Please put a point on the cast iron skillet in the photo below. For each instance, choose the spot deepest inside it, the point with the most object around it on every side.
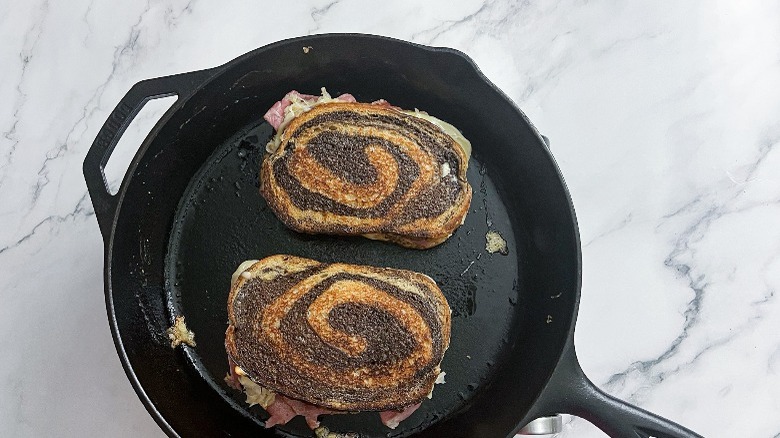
(188, 212)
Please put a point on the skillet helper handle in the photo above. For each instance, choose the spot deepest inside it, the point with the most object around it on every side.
(103, 201)
(622, 420)
(570, 391)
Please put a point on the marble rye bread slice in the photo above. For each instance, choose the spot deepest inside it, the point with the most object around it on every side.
(370, 170)
(337, 336)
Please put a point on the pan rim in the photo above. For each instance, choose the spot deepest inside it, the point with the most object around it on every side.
(217, 71)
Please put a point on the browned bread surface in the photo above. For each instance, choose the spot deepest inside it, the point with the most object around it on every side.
(360, 169)
(339, 336)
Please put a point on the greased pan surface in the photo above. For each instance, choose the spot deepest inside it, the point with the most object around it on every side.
(189, 211)
(481, 288)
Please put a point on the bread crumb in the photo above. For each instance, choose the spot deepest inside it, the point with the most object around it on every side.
(495, 243)
(307, 48)
(179, 334)
(323, 432)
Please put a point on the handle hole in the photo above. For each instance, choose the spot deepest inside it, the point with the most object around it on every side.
(126, 148)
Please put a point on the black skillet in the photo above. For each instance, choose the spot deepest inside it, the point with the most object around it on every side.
(188, 212)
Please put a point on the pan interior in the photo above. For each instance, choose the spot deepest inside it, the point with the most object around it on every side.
(222, 220)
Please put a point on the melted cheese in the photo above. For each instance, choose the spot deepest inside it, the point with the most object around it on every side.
(255, 394)
(240, 270)
(495, 243)
(439, 381)
(450, 130)
(180, 334)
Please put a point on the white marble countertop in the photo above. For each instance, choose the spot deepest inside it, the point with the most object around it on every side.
(664, 118)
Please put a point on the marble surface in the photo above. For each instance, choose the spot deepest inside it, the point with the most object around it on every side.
(664, 118)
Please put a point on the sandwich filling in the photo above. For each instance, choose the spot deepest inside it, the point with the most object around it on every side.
(294, 104)
(283, 409)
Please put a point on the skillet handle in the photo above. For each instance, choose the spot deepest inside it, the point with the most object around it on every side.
(570, 391)
(107, 138)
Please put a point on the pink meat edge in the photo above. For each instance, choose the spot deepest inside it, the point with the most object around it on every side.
(392, 419)
(284, 409)
(275, 115)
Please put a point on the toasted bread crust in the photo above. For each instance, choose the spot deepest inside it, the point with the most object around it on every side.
(339, 336)
(360, 169)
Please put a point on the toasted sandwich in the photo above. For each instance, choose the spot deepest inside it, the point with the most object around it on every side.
(309, 338)
(336, 166)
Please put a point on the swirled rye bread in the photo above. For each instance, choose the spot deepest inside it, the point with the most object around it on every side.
(370, 169)
(309, 338)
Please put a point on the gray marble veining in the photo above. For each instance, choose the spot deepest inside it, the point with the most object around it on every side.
(663, 117)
